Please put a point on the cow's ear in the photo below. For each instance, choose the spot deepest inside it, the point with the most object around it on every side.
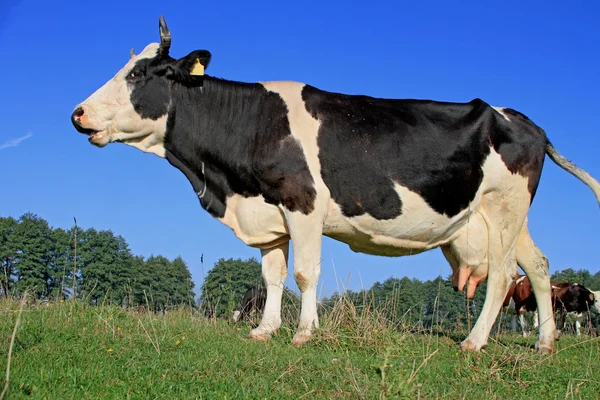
(188, 67)
(194, 63)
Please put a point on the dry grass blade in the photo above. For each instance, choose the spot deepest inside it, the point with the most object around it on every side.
(289, 370)
(306, 394)
(10, 347)
(414, 373)
(149, 337)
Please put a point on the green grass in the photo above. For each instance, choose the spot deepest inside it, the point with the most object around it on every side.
(74, 351)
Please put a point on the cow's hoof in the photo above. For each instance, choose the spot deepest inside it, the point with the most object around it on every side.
(260, 336)
(544, 349)
(469, 345)
(300, 339)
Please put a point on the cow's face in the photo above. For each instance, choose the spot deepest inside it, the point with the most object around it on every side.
(596, 299)
(132, 107)
(236, 316)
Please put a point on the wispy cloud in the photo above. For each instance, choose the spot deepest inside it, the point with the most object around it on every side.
(15, 142)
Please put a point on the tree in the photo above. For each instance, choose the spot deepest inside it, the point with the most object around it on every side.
(105, 264)
(33, 240)
(569, 275)
(60, 256)
(180, 280)
(227, 282)
(8, 254)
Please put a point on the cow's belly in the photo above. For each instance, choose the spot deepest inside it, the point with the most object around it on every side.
(254, 222)
(417, 229)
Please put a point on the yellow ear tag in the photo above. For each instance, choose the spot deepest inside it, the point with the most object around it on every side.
(198, 68)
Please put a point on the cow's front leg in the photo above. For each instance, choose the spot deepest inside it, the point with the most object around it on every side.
(306, 234)
(274, 272)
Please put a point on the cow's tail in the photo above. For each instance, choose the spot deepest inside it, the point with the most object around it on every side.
(573, 169)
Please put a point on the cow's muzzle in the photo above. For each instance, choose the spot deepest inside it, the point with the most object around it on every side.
(76, 120)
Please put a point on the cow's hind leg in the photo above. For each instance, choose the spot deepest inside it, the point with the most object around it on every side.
(535, 265)
(274, 272)
(503, 217)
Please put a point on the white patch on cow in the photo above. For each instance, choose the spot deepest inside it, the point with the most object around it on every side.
(303, 126)
(305, 230)
(500, 110)
(255, 222)
(109, 112)
(520, 280)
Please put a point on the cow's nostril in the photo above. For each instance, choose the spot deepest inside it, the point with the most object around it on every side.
(78, 112)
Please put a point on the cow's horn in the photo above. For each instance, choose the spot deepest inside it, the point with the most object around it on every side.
(165, 37)
(132, 53)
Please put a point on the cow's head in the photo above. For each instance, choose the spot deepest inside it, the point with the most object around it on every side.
(132, 107)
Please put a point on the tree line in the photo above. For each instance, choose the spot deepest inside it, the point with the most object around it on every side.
(411, 303)
(94, 265)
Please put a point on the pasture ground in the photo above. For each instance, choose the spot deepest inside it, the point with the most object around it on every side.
(75, 351)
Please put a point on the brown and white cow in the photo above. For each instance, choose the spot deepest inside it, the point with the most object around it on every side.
(285, 161)
(569, 299)
(519, 300)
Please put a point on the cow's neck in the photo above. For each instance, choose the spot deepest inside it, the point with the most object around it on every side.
(214, 133)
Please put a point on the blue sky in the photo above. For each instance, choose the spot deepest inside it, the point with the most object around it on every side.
(540, 58)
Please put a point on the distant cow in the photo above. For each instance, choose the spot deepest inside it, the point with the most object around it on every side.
(573, 300)
(520, 299)
(568, 298)
(281, 161)
(254, 300)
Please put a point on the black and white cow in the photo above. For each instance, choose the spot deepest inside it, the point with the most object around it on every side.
(569, 299)
(572, 301)
(285, 161)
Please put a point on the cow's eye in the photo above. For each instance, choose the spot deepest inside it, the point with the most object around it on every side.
(135, 74)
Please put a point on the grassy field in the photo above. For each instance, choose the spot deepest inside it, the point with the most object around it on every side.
(73, 351)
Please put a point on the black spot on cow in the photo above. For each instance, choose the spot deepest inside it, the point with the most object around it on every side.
(435, 149)
(226, 137)
(367, 144)
(150, 94)
(236, 138)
